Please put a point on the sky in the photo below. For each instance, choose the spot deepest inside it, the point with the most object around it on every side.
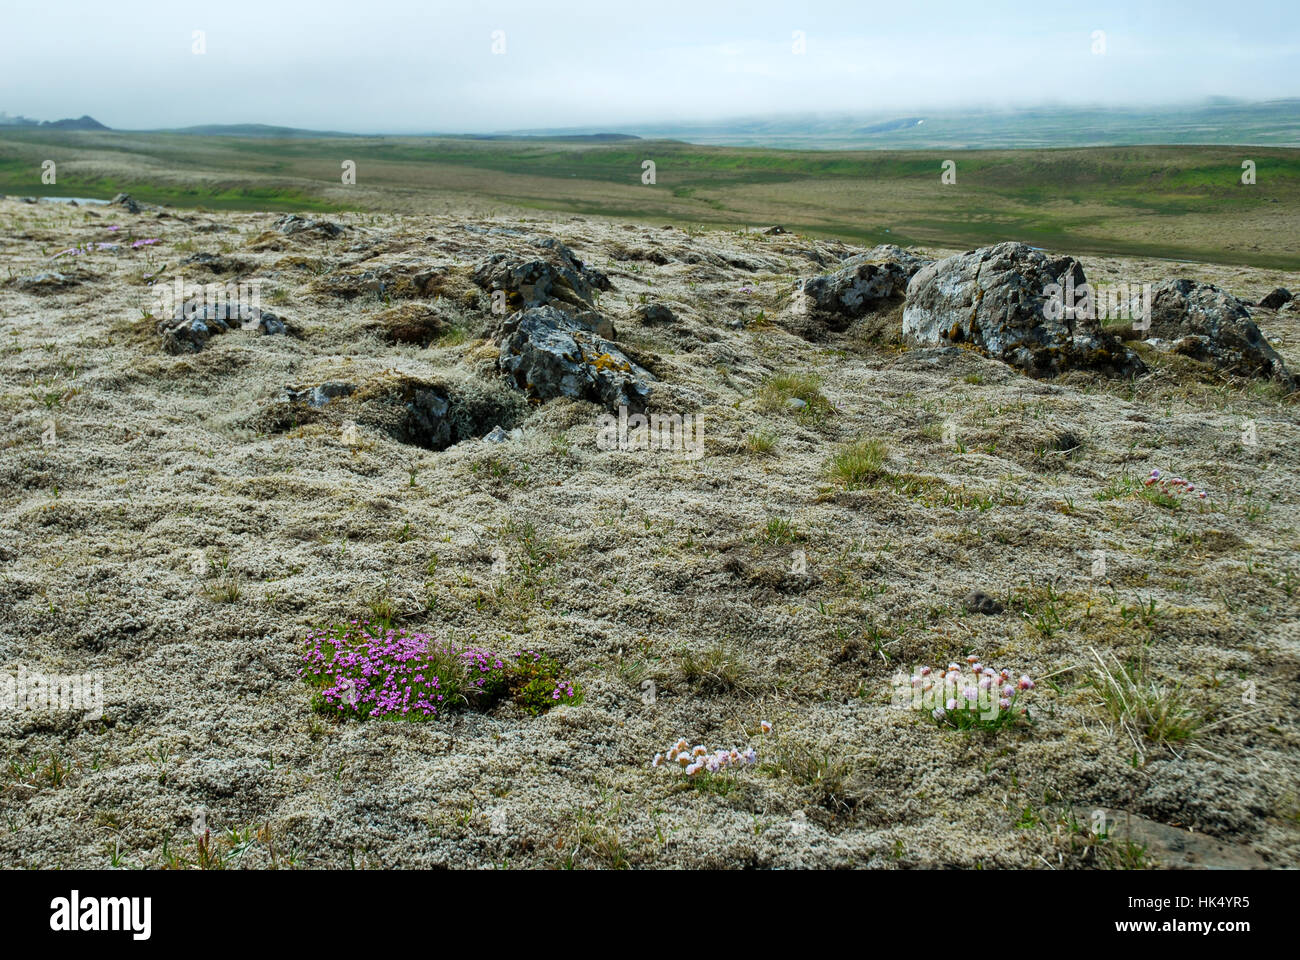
(404, 66)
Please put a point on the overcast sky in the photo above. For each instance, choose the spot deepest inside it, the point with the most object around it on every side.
(410, 66)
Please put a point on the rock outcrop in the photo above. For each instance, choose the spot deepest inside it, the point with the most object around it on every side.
(548, 353)
(861, 284)
(999, 300)
(555, 277)
(1208, 324)
(291, 224)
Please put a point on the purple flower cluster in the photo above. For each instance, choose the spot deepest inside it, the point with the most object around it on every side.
(697, 758)
(88, 248)
(1173, 485)
(374, 672)
(370, 671)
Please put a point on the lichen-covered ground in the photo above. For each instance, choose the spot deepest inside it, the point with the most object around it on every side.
(182, 526)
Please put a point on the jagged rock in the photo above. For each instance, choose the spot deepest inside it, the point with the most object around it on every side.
(1208, 324)
(189, 334)
(861, 284)
(125, 200)
(292, 223)
(776, 230)
(997, 299)
(1276, 299)
(558, 277)
(320, 395)
(548, 353)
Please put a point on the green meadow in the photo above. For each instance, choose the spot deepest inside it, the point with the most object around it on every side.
(1177, 202)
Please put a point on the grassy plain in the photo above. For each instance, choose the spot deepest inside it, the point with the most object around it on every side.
(1173, 202)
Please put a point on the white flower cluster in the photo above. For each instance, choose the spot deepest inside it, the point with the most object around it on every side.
(697, 758)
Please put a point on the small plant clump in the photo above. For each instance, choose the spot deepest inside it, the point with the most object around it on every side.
(376, 672)
(986, 698)
(1172, 487)
(697, 758)
(535, 684)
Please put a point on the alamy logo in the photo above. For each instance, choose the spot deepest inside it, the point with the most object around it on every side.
(40, 692)
(1106, 301)
(211, 301)
(72, 914)
(666, 433)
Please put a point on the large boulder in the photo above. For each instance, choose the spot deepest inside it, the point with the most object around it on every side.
(1276, 298)
(555, 277)
(861, 284)
(1208, 324)
(549, 353)
(1005, 301)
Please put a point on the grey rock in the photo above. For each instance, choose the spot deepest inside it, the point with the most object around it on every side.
(497, 435)
(320, 395)
(1208, 324)
(42, 282)
(655, 315)
(429, 422)
(190, 332)
(977, 601)
(996, 299)
(547, 353)
(1276, 299)
(860, 285)
(795, 404)
(292, 223)
(126, 201)
(557, 277)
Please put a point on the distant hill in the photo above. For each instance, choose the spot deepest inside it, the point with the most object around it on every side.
(81, 123)
(1213, 121)
(251, 130)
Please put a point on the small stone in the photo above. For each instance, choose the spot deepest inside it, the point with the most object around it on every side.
(977, 601)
